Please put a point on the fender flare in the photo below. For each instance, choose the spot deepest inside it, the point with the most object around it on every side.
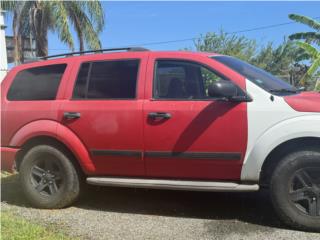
(290, 129)
(59, 132)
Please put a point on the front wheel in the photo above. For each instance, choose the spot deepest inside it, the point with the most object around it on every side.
(295, 190)
(48, 177)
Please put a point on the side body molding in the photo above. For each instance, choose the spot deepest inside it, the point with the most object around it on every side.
(61, 133)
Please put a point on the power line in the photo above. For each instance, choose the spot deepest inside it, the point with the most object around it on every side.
(228, 33)
(197, 38)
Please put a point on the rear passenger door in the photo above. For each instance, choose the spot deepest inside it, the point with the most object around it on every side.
(104, 108)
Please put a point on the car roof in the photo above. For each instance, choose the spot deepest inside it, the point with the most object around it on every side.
(65, 58)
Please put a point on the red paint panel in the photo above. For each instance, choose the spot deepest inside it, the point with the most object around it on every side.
(108, 125)
(214, 127)
(304, 102)
(8, 156)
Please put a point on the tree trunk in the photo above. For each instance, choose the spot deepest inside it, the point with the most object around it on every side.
(17, 40)
(79, 33)
(317, 88)
(42, 43)
(81, 43)
(40, 31)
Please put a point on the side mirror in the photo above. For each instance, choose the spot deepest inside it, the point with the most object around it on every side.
(227, 90)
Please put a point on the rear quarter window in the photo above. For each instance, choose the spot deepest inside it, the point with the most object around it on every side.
(110, 79)
(39, 83)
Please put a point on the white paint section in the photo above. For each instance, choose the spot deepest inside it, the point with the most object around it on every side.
(271, 123)
(3, 50)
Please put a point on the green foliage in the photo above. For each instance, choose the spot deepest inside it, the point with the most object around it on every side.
(312, 52)
(282, 60)
(15, 228)
(37, 18)
(226, 44)
(308, 36)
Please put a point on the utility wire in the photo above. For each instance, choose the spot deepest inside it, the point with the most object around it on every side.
(228, 33)
(198, 38)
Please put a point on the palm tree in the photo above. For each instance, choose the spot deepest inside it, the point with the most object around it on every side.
(37, 18)
(309, 38)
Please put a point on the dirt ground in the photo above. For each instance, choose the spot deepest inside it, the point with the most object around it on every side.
(124, 213)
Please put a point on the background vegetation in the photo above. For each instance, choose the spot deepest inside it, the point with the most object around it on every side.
(296, 60)
(35, 19)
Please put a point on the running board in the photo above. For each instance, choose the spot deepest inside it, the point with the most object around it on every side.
(173, 184)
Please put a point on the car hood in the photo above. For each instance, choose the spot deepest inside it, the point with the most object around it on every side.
(304, 102)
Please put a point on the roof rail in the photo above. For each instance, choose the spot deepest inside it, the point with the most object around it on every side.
(129, 49)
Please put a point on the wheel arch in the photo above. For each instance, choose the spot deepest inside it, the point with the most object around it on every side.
(273, 158)
(293, 131)
(52, 133)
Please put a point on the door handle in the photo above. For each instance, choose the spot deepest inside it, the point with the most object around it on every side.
(71, 115)
(157, 115)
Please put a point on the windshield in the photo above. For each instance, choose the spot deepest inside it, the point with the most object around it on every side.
(258, 76)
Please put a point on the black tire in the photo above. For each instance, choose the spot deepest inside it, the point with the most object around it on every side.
(48, 177)
(295, 190)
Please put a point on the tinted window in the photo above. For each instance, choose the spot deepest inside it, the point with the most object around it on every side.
(80, 87)
(258, 76)
(40, 83)
(182, 80)
(107, 80)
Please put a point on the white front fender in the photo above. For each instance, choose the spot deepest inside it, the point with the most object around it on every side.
(271, 121)
(297, 127)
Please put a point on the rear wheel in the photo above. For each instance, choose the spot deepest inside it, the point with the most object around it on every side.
(49, 178)
(295, 190)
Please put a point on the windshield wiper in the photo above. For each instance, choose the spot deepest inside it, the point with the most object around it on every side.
(283, 90)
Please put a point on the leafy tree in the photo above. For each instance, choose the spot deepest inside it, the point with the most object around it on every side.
(37, 18)
(226, 44)
(309, 38)
(283, 60)
(315, 58)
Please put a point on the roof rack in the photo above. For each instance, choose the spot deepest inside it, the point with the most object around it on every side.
(129, 49)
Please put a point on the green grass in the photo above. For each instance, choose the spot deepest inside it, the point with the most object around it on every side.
(17, 228)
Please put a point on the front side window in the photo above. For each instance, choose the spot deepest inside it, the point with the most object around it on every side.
(39, 83)
(258, 76)
(175, 79)
(107, 80)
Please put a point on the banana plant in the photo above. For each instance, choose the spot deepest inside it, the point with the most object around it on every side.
(315, 58)
(309, 38)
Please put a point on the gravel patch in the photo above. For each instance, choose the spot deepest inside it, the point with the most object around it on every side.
(123, 213)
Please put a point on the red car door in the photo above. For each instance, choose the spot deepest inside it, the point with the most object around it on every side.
(188, 135)
(104, 108)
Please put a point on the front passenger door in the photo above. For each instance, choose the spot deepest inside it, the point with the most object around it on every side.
(189, 135)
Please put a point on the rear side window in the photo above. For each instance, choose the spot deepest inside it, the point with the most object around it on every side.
(40, 83)
(107, 80)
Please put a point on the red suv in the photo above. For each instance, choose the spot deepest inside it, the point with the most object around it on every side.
(172, 120)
